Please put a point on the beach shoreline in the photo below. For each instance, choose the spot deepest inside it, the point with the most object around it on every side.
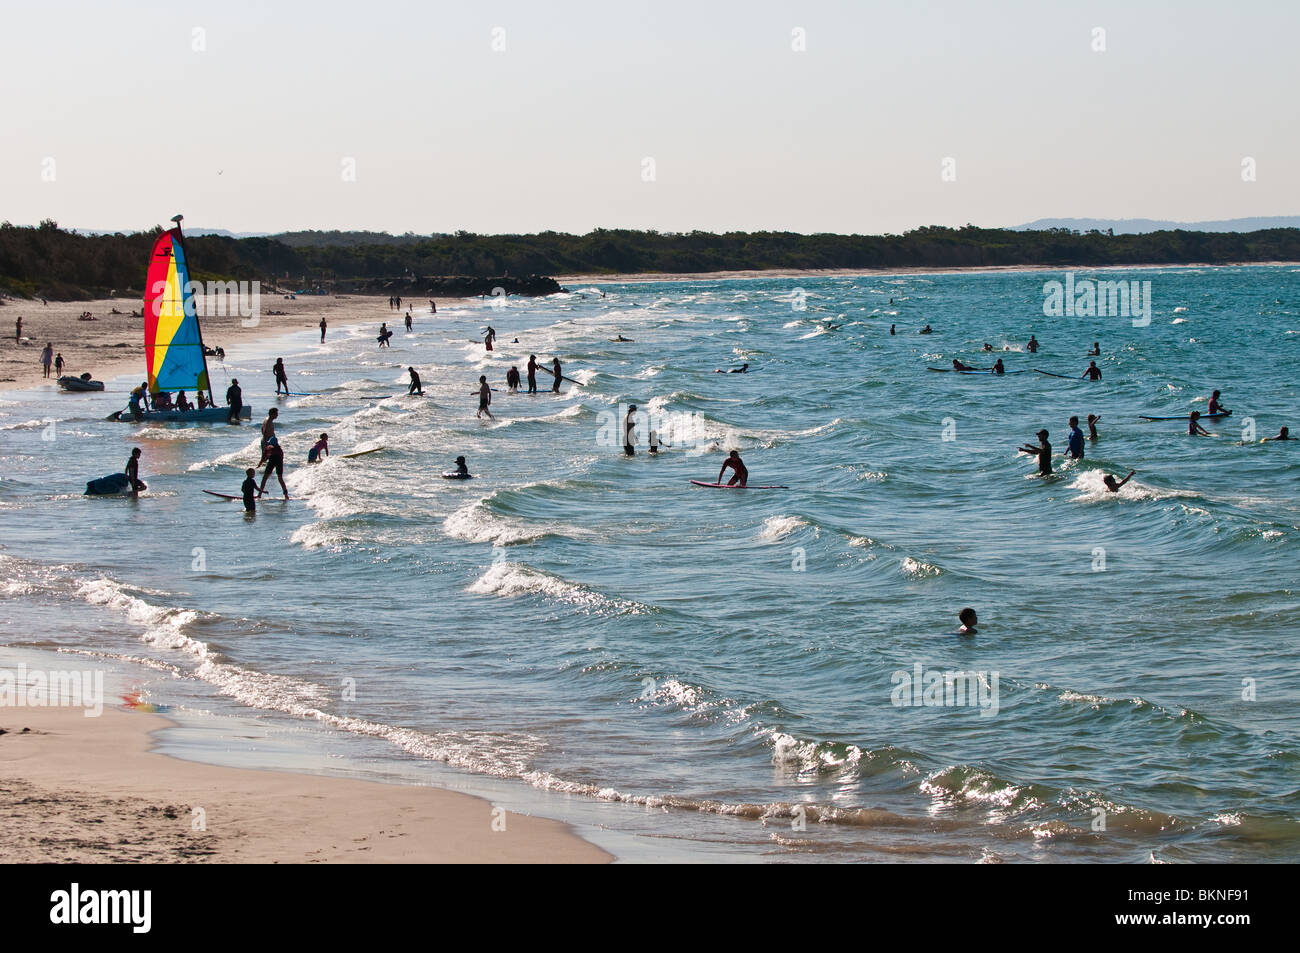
(96, 790)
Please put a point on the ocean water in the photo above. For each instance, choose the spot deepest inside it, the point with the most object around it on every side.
(721, 671)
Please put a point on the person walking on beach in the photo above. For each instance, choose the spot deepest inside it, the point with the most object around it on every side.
(274, 458)
(133, 472)
(235, 398)
(58, 365)
(555, 365)
(484, 398)
(415, 387)
(268, 432)
(249, 489)
(629, 431)
(1093, 373)
(281, 377)
(47, 358)
(323, 326)
(18, 330)
(1043, 452)
(740, 472)
(512, 379)
(1074, 447)
(532, 373)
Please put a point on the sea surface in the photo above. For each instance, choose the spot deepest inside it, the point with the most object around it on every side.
(694, 673)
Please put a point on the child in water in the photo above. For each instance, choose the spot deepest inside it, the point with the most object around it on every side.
(968, 619)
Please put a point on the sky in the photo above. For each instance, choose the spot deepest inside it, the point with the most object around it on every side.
(809, 116)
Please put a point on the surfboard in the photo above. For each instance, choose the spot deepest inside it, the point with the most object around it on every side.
(224, 496)
(374, 396)
(1188, 414)
(730, 486)
(360, 453)
(1068, 377)
(458, 476)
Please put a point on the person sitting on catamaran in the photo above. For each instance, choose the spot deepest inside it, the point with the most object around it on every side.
(182, 402)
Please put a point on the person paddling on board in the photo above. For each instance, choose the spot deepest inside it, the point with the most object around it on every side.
(1043, 452)
(629, 431)
(1074, 447)
(999, 367)
(532, 373)
(1032, 346)
(133, 472)
(1216, 407)
(926, 330)
(1092, 426)
(743, 369)
(320, 448)
(281, 376)
(415, 387)
(555, 369)
(235, 398)
(274, 458)
(1283, 434)
(1113, 485)
(1093, 373)
(741, 473)
(484, 397)
(968, 618)
(1194, 428)
(959, 366)
(462, 468)
(249, 489)
(512, 379)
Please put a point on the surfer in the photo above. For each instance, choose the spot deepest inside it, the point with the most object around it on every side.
(1283, 434)
(555, 364)
(415, 387)
(268, 431)
(926, 330)
(274, 458)
(235, 398)
(968, 618)
(1093, 373)
(999, 367)
(1092, 426)
(319, 448)
(1043, 452)
(384, 335)
(1074, 447)
(1113, 485)
(1194, 428)
(512, 379)
(621, 340)
(532, 373)
(133, 473)
(741, 472)
(323, 326)
(462, 468)
(1032, 346)
(484, 397)
(959, 366)
(629, 431)
(1096, 349)
(281, 377)
(1216, 407)
(249, 489)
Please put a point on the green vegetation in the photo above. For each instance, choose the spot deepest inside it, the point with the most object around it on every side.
(48, 261)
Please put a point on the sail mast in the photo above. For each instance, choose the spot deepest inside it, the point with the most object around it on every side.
(180, 237)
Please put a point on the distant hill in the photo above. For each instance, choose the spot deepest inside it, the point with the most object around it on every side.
(1141, 226)
(300, 239)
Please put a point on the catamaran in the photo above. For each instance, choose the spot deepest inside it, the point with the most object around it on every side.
(173, 342)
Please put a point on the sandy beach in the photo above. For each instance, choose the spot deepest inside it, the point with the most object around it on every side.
(113, 344)
(90, 790)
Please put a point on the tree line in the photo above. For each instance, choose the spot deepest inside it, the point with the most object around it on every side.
(48, 261)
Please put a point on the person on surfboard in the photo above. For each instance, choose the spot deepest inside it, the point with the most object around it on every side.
(415, 387)
(462, 468)
(1043, 452)
(741, 472)
(959, 366)
(1113, 485)
(281, 376)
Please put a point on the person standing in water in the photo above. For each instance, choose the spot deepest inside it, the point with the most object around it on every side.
(249, 489)
(133, 472)
(740, 473)
(1096, 349)
(484, 398)
(968, 618)
(555, 369)
(274, 458)
(268, 432)
(1074, 446)
(281, 377)
(532, 373)
(999, 367)
(1216, 407)
(1093, 373)
(1043, 452)
(58, 365)
(1092, 426)
(323, 326)
(512, 379)
(433, 308)
(415, 387)
(629, 431)
(235, 398)
(409, 323)
(1194, 428)
(1032, 346)
(489, 336)
(891, 329)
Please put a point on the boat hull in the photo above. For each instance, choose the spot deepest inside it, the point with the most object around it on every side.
(79, 385)
(208, 415)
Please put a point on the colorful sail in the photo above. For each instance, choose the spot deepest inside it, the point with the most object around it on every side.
(172, 345)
